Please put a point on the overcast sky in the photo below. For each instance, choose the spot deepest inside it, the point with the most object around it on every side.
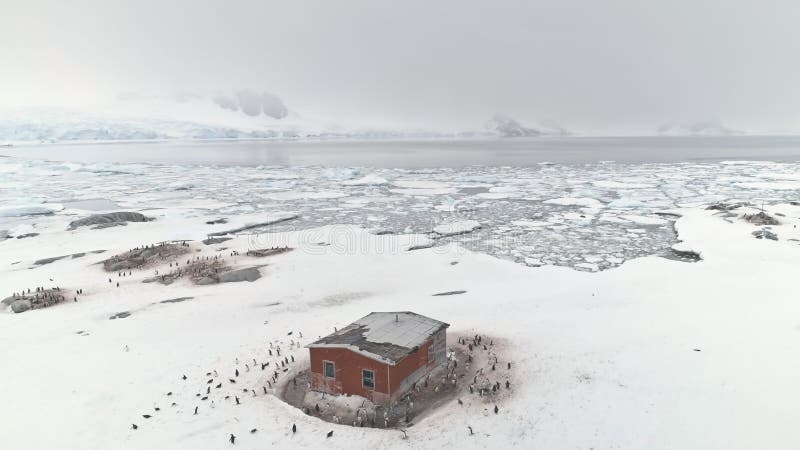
(598, 65)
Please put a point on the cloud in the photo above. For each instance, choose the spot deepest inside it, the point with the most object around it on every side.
(612, 65)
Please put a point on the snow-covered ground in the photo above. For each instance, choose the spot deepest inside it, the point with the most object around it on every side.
(653, 354)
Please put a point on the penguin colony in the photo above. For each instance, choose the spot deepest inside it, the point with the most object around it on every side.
(472, 368)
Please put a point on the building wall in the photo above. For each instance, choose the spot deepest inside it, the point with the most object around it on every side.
(390, 381)
(348, 367)
(410, 372)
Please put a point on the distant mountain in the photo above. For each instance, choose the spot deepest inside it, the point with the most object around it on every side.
(704, 128)
(505, 126)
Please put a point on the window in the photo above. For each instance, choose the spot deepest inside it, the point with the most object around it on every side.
(368, 379)
(431, 355)
(330, 369)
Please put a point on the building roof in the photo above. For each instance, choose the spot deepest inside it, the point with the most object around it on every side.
(384, 336)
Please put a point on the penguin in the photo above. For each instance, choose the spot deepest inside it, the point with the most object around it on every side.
(509, 366)
(208, 390)
(210, 381)
(195, 410)
(157, 408)
(253, 430)
(265, 389)
(292, 358)
(237, 400)
(460, 402)
(496, 409)
(218, 386)
(146, 416)
(470, 430)
(169, 393)
(232, 380)
(330, 433)
(184, 376)
(232, 439)
(134, 426)
(492, 366)
(294, 428)
(508, 385)
(316, 407)
(237, 372)
(204, 398)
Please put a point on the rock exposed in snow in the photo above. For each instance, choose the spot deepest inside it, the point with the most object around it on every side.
(761, 218)
(234, 276)
(21, 305)
(109, 218)
(215, 240)
(765, 234)
(277, 219)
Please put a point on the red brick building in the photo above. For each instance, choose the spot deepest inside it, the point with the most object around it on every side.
(379, 356)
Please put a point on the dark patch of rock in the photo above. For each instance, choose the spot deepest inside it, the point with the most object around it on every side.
(419, 247)
(41, 262)
(27, 235)
(176, 300)
(120, 315)
(215, 240)
(765, 234)
(264, 252)
(255, 225)
(19, 306)
(217, 221)
(725, 206)
(141, 256)
(108, 218)
(449, 293)
(249, 274)
(761, 218)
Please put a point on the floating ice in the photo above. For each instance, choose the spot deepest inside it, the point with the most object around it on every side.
(369, 180)
(29, 210)
(575, 201)
(455, 228)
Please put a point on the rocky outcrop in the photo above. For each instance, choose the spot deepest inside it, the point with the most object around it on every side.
(105, 220)
(761, 218)
(215, 240)
(139, 257)
(249, 274)
(765, 234)
(21, 305)
(254, 225)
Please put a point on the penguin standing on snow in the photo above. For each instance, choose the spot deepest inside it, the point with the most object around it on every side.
(294, 428)
(232, 439)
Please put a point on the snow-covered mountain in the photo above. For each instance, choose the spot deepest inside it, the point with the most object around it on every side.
(242, 114)
(704, 128)
(505, 126)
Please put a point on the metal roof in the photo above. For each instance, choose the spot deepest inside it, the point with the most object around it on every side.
(385, 336)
